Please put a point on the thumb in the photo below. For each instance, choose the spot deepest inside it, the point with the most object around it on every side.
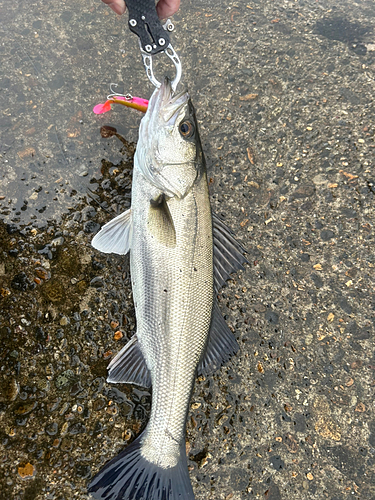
(117, 6)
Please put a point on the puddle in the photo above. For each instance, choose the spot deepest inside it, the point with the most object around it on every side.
(65, 309)
(353, 33)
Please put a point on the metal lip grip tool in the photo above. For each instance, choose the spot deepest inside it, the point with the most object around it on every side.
(153, 37)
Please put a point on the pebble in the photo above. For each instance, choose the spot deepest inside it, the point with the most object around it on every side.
(56, 443)
(25, 408)
(20, 282)
(276, 462)
(239, 479)
(259, 308)
(51, 407)
(83, 471)
(327, 429)
(66, 444)
(118, 335)
(98, 404)
(57, 241)
(11, 228)
(272, 316)
(49, 371)
(46, 251)
(27, 470)
(88, 213)
(77, 428)
(91, 227)
(64, 428)
(21, 421)
(52, 429)
(97, 282)
(326, 234)
(9, 389)
(309, 338)
(330, 317)
(64, 379)
(4, 292)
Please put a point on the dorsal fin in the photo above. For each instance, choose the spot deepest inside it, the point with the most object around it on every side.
(228, 253)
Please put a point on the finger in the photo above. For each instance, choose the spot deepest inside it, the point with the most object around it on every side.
(117, 6)
(166, 8)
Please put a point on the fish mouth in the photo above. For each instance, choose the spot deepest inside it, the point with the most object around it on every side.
(166, 104)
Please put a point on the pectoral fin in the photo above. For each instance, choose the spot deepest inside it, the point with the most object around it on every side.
(160, 222)
(221, 344)
(116, 235)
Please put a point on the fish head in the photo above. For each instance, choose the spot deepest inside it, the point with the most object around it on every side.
(169, 152)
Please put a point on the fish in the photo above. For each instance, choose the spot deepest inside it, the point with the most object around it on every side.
(181, 254)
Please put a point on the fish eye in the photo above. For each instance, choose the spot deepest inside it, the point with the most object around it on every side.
(186, 129)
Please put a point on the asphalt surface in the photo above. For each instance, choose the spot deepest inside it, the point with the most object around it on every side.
(284, 97)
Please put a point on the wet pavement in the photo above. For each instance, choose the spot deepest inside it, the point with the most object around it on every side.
(284, 97)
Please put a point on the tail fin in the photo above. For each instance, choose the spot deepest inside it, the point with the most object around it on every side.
(129, 476)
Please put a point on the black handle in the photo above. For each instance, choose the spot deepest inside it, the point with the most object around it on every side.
(144, 22)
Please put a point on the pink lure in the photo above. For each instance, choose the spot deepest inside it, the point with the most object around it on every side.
(134, 102)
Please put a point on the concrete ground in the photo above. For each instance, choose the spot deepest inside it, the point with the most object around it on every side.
(284, 97)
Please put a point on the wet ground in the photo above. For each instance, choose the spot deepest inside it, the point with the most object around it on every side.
(284, 93)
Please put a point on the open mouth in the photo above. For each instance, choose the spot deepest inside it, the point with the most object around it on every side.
(167, 104)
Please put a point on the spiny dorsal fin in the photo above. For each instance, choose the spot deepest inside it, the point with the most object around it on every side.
(160, 222)
(221, 344)
(129, 366)
(116, 235)
(228, 253)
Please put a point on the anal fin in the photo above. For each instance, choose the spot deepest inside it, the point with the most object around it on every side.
(129, 366)
(221, 344)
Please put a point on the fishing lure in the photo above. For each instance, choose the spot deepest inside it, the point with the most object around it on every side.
(124, 99)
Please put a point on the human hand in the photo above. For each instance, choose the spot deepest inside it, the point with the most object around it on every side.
(164, 8)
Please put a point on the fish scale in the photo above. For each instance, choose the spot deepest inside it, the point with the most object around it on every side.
(176, 321)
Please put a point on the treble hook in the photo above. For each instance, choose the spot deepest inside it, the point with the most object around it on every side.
(114, 94)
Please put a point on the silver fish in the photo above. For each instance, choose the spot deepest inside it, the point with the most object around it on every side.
(180, 255)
